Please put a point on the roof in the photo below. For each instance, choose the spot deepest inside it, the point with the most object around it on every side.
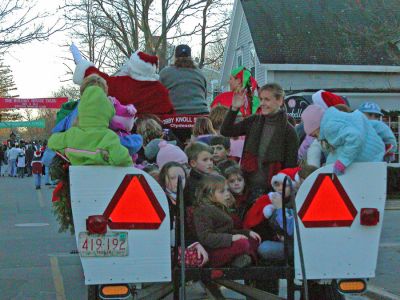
(321, 31)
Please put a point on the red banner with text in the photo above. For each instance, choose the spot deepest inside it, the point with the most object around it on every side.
(7, 103)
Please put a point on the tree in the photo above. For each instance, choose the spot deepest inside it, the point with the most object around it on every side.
(214, 31)
(7, 86)
(20, 26)
(124, 26)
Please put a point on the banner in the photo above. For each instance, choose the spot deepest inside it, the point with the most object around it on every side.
(296, 105)
(179, 121)
(6, 103)
(36, 124)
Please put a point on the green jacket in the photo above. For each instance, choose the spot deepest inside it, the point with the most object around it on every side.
(91, 142)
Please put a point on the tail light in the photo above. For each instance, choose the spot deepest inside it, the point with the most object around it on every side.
(352, 286)
(369, 216)
(117, 291)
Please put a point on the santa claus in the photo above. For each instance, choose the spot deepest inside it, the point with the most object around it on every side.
(135, 83)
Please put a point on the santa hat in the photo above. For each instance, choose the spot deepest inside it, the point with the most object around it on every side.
(169, 153)
(327, 99)
(37, 153)
(140, 66)
(292, 173)
(124, 117)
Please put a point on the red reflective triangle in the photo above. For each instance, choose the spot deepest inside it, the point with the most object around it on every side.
(134, 206)
(327, 204)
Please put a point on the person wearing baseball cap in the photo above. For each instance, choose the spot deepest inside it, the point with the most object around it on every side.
(371, 110)
(186, 83)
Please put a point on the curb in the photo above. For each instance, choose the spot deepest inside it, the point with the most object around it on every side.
(377, 293)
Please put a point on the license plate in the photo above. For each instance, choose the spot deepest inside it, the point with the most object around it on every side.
(109, 244)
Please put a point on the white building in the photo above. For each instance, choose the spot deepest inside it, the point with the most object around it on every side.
(301, 45)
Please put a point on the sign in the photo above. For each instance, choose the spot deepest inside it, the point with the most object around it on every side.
(134, 206)
(6, 103)
(109, 244)
(36, 124)
(295, 106)
(327, 204)
(179, 121)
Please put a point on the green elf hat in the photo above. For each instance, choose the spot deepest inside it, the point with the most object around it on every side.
(245, 76)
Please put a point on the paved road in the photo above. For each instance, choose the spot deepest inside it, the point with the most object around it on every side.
(35, 262)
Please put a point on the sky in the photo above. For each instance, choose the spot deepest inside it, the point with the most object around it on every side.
(38, 67)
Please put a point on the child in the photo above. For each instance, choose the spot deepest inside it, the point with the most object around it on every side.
(349, 137)
(236, 185)
(215, 228)
(195, 254)
(21, 164)
(169, 153)
(37, 167)
(221, 148)
(200, 160)
(91, 142)
(152, 170)
(203, 130)
(273, 212)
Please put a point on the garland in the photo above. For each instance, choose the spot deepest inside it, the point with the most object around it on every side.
(59, 170)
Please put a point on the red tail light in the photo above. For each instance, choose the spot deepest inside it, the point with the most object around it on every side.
(369, 216)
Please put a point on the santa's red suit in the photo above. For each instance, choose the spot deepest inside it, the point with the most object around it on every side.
(135, 83)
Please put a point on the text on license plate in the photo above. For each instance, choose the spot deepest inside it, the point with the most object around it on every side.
(109, 244)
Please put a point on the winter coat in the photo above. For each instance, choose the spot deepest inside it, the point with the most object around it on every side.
(37, 165)
(91, 142)
(352, 137)
(187, 89)
(214, 227)
(192, 184)
(385, 133)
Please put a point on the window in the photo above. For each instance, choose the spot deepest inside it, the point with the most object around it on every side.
(252, 62)
(239, 57)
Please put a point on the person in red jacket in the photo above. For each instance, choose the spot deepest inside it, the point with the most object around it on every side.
(37, 167)
(135, 83)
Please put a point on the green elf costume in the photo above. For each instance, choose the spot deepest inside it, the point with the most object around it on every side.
(91, 142)
(250, 84)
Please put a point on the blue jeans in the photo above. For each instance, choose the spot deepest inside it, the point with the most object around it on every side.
(271, 250)
(47, 176)
(13, 167)
(38, 179)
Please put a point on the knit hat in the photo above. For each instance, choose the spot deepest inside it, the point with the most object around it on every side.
(183, 51)
(169, 153)
(140, 66)
(292, 173)
(152, 148)
(37, 153)
(370, 107)
(327, 99)
(124, 117)
(311, 118)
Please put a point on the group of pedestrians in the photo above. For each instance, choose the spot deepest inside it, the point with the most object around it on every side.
(20, 159)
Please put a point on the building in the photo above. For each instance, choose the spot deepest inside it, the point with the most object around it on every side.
(306, 46)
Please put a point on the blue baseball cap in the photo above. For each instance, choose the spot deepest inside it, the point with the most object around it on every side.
(370, 107)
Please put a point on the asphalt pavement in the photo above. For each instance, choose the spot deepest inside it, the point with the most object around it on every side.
(36, 263)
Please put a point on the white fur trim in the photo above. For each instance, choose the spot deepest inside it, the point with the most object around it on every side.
(268, 211)
(297, 177)
(138, 69)
(80, 70)
(280, 177)
(318, 100)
